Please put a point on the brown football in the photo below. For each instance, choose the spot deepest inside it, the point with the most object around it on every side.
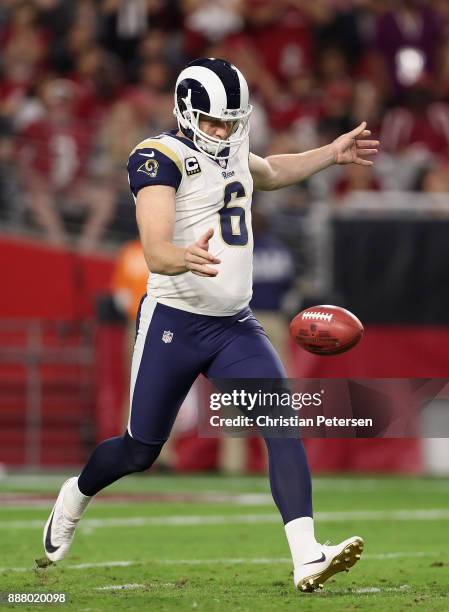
(326, 330)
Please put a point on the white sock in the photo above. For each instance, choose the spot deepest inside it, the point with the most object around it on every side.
(301, 539)
(74, 501)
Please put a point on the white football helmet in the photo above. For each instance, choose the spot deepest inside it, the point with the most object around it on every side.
(217, 89)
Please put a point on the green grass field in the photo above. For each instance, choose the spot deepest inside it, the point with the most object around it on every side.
(216, 543)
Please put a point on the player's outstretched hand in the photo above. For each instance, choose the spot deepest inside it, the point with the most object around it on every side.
(197, 256)
(353, 147)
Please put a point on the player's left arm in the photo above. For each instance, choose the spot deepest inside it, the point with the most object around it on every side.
(276, 171)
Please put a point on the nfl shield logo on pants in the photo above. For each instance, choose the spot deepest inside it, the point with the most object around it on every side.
(167, 336)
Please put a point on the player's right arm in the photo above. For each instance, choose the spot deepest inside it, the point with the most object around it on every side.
(155, 173)
(155, 211)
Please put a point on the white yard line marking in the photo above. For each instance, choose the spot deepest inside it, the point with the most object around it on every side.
(87, 524)
(397, 555)
(221, 561)
(227, 561)
(82, 566)
(119, 587)
(403, 587)
(268, 561)
(133, 585)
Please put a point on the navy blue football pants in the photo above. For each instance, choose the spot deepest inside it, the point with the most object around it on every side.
(172, 348)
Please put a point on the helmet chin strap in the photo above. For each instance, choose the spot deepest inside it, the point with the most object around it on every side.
(213, 148)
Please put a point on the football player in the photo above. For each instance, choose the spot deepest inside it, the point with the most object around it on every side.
(192, 188)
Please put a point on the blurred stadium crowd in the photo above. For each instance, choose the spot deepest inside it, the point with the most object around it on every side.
(82, 82)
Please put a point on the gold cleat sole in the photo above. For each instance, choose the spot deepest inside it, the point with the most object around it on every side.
(341, 563)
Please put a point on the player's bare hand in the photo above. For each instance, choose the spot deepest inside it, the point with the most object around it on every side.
(198, 259)
(354, 147)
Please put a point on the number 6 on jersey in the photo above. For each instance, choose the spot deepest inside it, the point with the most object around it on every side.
(232, 216)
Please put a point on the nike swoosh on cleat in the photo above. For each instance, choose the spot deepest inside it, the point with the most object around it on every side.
(244, 319)
(320, 560)
(48, 545)
(147, 154)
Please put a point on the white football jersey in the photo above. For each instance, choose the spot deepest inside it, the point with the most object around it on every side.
(209, 194)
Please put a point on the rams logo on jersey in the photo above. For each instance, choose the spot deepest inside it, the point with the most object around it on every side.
(150, 167)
